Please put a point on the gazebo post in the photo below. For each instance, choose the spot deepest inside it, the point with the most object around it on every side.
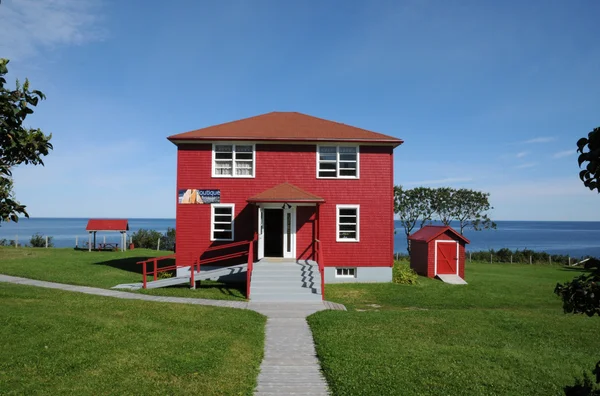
(89, 241)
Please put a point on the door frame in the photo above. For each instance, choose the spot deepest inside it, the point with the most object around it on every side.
(435, 262)
(260, 226)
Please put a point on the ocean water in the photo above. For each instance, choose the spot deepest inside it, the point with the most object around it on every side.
(556, 237)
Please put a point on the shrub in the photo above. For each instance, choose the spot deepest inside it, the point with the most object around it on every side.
(5, 242)
(403, 274)
(167, 241)
(39, 240)
(146, 239)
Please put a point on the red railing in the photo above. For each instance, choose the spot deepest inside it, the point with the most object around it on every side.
(197, 261)
(250, 268)
(319, 256)
(155, 270)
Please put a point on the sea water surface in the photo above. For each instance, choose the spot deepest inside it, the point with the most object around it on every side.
(574, 238)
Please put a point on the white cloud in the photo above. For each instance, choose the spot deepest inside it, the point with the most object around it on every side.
(31, 26)
(526, 165)
(447, 180)
(545, 139)
(565, 153)
(522, 154)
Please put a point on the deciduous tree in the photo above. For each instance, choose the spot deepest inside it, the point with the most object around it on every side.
(590, 176)
(469, 208)
(412, 206)
(18, 144)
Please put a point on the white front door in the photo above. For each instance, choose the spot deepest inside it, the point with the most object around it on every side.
(289, 232)
(261, 233)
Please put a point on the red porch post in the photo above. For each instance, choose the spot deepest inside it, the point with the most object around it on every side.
(317, 231)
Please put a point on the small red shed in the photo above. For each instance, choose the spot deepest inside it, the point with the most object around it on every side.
(438, 250)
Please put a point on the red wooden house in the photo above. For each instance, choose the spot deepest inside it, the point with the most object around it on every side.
(285, 180)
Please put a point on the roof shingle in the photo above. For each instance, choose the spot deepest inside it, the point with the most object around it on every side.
(290, 126)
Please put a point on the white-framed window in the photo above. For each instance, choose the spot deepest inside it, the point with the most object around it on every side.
(340, 162)
(221, 222)
(347, 223)
(233, 160)
(345, 272)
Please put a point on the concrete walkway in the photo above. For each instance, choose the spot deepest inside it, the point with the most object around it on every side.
(290, 365)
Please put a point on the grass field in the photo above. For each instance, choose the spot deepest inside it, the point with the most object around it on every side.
(503, 334)
(101, 269)
(54, 342)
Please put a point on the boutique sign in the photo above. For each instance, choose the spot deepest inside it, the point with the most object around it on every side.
(195, 196)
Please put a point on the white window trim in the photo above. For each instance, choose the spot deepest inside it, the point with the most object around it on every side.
(212, 221)
(337, 223)
(346, 276)
(233, 175)
(337, 151)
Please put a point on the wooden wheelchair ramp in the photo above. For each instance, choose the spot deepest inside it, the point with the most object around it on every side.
(212, 274)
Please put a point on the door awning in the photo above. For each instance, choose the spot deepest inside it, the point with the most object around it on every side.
(286, 192)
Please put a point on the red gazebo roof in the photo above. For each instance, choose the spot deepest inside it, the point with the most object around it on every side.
(107, 225)
(430, 232)
(286, 192)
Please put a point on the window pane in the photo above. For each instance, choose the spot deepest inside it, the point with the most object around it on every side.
(348, 212)
(243, 149)
(327, 149)
(347, 220)
(223, 155)
(327, 157)
(222, 227)
(347, 165)
(326, 174)
(224, 148)
(243, 156)
(348, 172)
(347, 157)
(222, 235)
(223, 164)
(347, 150)
(223, 218)
(223, 210)
(327, 166)
(347, 227)
(347, 234)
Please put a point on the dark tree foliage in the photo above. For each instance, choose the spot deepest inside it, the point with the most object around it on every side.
(412, 206)
(582, 294)
(590, 176)
(18, 144)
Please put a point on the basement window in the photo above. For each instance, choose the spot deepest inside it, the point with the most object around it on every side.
(233, 160)
(221, 222)
(337, 162)
(345, 272)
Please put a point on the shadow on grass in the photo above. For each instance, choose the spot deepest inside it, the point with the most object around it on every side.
(130, 264)
(229, 289)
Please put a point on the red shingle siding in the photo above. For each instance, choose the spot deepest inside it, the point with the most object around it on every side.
(419, 257)
(296, 164)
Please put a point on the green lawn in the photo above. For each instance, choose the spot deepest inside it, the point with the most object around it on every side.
(503, 334)
(56, 342)
(101, 269)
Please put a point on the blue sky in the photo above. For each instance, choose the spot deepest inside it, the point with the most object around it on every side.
(487, 95)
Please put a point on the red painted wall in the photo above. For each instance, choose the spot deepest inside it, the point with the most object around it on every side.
(418, 257)
(296, 164)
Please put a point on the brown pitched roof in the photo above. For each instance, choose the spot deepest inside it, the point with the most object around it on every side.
(107, 225)
(430, 232)
(286, 192)
(286, 126)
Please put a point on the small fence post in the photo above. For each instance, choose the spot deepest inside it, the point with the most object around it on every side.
(550, 258)
(511, 258)
(530, 260)
(491, 261)
(470, 257)
(46, 241)
(158, 244)
(76, 242)
(569, 261)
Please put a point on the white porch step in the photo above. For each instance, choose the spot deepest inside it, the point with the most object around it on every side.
(451, 279)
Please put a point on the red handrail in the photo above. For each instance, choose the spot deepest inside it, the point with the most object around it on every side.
(155, 269)
(321, 263)
(250, 268)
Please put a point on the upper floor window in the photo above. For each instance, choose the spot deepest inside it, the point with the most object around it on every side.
(337, 162)
(233, 160)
